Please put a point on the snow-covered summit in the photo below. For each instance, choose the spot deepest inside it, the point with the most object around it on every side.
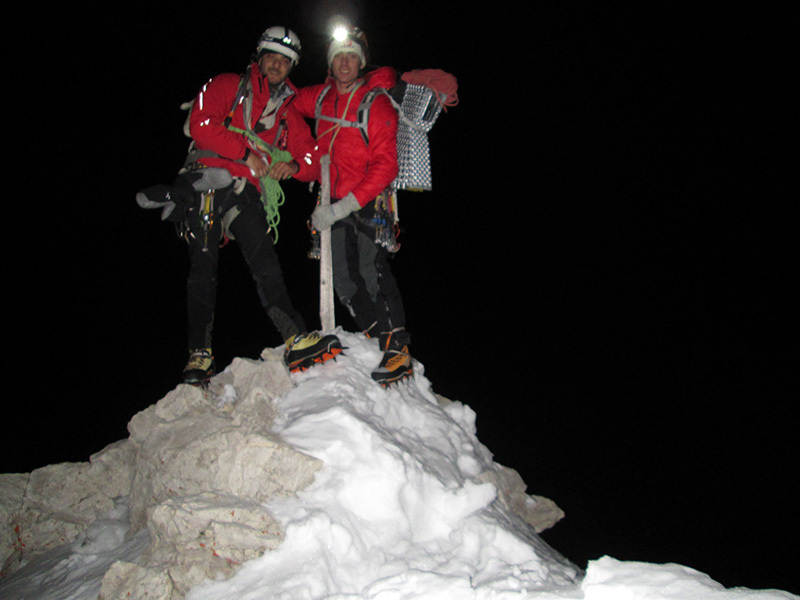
(319, 485)
(406, 499)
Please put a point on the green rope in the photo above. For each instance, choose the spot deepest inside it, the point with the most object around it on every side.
(272, 196)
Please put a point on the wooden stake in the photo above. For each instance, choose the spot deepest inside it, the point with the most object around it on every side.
(326, 309)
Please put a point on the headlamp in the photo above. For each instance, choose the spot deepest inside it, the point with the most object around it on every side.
(340, 33)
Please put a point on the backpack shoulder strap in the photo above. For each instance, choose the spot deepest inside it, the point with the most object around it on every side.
(397, 97)
(362, 115)
(363, 110)
(241, 94)
(318, 109)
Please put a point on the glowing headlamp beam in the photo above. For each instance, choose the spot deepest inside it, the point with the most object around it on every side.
(340, 33)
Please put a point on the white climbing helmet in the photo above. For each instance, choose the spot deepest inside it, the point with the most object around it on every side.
(281, 40)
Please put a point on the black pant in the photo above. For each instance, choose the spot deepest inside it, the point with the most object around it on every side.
(363, 278)
(250, 231)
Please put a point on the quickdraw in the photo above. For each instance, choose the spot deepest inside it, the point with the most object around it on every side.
(315, 251)
(387, 228)
(206, 215)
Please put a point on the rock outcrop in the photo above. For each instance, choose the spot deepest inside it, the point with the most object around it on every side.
(195, 474)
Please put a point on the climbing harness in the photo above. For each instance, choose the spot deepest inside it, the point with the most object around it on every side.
(200, 217)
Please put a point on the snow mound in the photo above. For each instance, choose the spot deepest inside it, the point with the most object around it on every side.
(396, 498)
(610, 579)
(401, 503)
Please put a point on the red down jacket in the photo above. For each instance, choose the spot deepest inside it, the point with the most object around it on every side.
(365, 170)
(207, 128)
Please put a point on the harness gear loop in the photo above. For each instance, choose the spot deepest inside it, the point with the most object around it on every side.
(206, 215)
(387, 227)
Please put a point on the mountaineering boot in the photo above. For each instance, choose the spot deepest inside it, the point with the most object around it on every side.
(200, 367)
(306, 349)
(396, 363)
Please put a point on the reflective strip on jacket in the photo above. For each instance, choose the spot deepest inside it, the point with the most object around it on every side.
(207, 126)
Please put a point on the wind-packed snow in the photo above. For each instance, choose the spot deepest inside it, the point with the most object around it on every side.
(398, 510)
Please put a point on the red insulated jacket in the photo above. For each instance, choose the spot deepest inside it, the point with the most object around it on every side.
(289, 130)
(365, 170)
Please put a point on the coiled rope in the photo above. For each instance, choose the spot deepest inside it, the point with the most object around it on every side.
(272, 196)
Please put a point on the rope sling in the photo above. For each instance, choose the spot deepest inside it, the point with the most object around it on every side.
(337, 126)
(272, 196)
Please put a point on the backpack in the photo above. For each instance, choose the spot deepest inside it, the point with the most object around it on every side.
(419, 99)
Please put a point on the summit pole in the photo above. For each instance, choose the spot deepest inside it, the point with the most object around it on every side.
(326, 309)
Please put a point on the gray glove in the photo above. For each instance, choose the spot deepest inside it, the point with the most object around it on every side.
(172, 200)
(325, 216)
(212, 178)
(158, 197)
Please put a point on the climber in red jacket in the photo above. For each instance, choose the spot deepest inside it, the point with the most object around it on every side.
(363, 165)
(246, 138)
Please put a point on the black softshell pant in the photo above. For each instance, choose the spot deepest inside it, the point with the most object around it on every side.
(362, 276)
(250, 231)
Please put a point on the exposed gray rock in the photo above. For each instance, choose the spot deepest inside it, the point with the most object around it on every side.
(194, 474)
(194, 471)
(539, 512)
(60, 501)
(129, 580)
(12, 494)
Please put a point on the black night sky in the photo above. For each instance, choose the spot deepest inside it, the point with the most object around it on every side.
(602, 272)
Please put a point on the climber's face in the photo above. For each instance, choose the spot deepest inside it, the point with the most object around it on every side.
(344, 68)
(275, 67)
